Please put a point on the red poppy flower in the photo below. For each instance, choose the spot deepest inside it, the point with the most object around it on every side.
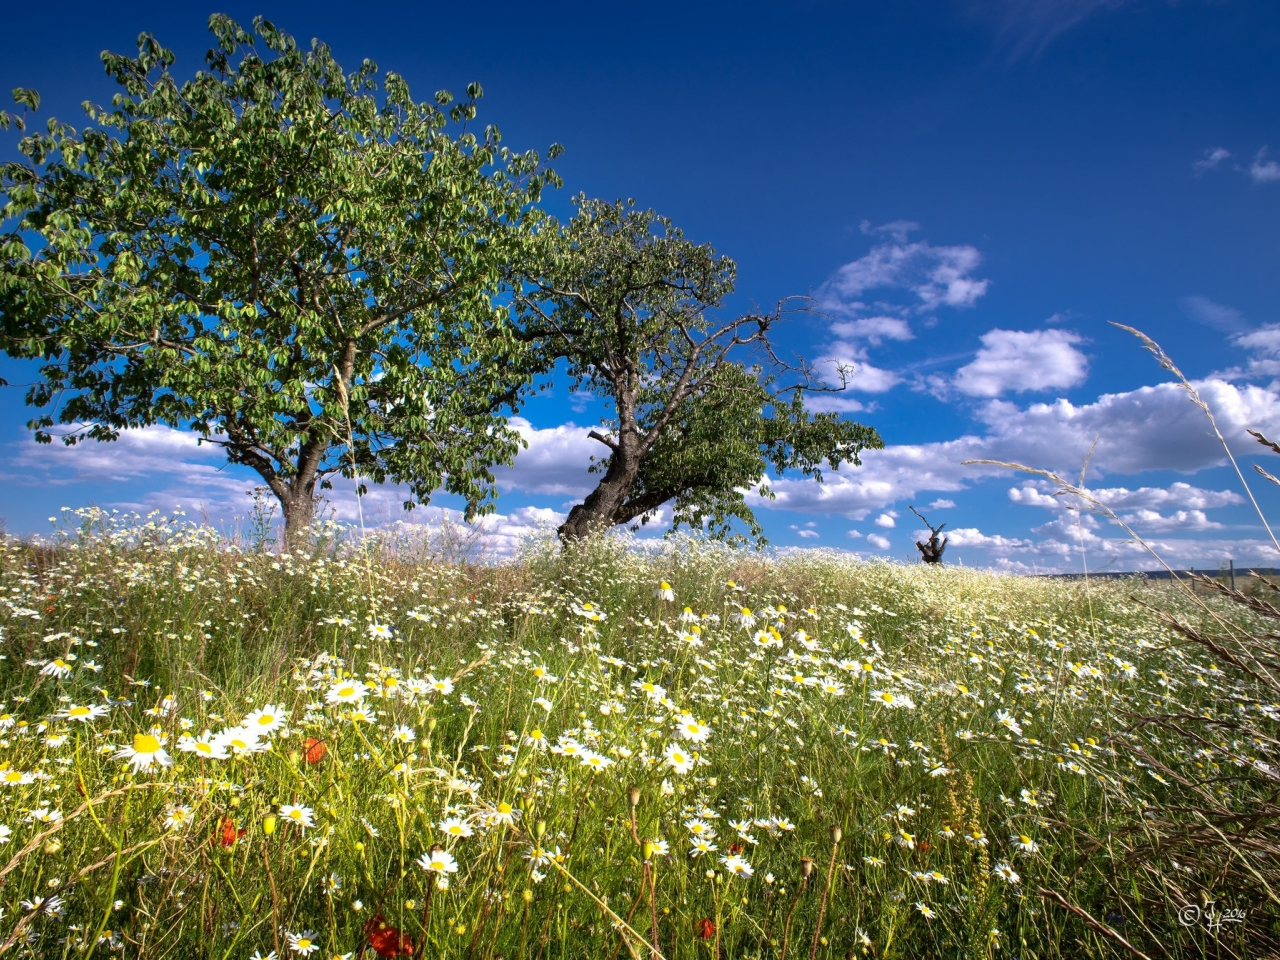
(924, 846)
(386, 940)
(316, 750)
(704, 929)
(229, 833)
(736, 847)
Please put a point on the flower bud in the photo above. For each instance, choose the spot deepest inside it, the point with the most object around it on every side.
(836, 833)
(647, 849)
(431, 724)
(269, 824)
(633, 797)
(806, 867)
(540, 829)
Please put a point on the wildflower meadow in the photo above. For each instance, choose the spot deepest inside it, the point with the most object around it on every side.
(359, 750)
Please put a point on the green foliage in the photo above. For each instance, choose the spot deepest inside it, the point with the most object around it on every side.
(698, 415)
(302, 265)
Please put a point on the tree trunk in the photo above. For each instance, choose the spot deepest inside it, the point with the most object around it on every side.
(299, 510)
(598, 511)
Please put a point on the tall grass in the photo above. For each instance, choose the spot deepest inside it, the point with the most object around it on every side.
(888, 761)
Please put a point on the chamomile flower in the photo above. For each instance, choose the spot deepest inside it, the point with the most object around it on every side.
(895, 701)
(456, 828)
(265, 720)
(346, 691)
(678, 758)
(83, 714)
(691, 729)
(737, 866)
(1024, 844)
(664, 592)
(146, 751)
(300, 816)
(438, 861)
(442, 686)
(1005, 872)
(380, 631)
(304, 943)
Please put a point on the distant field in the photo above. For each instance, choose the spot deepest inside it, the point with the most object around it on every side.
(688, 753)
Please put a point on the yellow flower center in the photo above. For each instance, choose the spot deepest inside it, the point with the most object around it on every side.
(78, 712)
(145, 743)
(13, 776)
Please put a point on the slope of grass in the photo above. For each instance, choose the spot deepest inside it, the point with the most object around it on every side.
(799, 755)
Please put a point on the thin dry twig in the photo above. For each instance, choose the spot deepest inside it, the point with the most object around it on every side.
(1089, 921)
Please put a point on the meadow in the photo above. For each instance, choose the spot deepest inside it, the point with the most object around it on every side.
(366, 749)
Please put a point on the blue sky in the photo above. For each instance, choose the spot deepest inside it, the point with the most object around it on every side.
(972, 190)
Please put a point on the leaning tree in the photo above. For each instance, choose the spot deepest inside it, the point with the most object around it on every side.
(697, 412)
(305, 267)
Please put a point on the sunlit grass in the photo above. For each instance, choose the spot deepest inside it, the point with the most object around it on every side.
(358, 751)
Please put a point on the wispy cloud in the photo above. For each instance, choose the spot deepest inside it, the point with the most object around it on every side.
(1212, 158)
(1216, 315)
(933, 276)
(1024, 28)
(1263, 170)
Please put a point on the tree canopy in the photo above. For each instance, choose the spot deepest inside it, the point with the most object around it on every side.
(306, 267)
(698, 414)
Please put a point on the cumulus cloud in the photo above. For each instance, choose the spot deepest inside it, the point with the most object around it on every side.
(886, 520)
(1151, 428)
(877, 541)
(554, 463)
(942, 504)
(1023, 361)
(1176, 495)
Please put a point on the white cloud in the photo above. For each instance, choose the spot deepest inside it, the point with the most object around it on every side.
(1021, 361)
(875, 330)
(1185, 521)
(942, 504)
(934, 276)
(885, 520)
(973, 537)
(1210, 160)
(555, 462)
(877, 541)
(1264, 343)
(1176, 495)
(855, 534)
(1263, 170)
(1151, 428)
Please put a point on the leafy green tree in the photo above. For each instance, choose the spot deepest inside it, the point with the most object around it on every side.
(305, 267)
(697, 413)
